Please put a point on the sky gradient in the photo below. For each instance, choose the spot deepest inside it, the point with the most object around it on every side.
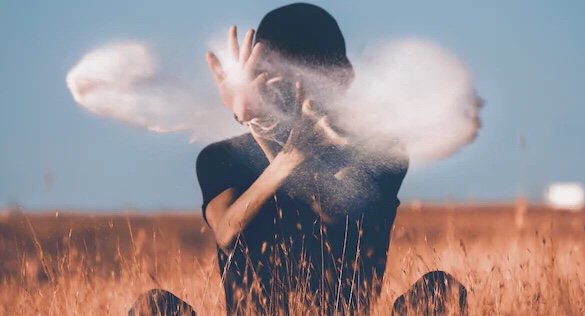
(528, 58)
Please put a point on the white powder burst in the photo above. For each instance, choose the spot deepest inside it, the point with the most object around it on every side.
(411, 90)
(121, 81)
(414, 91)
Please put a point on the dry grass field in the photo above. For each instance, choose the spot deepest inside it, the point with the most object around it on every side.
(78, 264)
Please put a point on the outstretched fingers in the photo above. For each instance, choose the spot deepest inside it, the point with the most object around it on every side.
(252, 62)
(333, 137)
(247, 47)
(261, 79)
(321, 123)
(233, 46)
(299, 97)
(216, 68)
(304, 104)
(273, 80)
(307, 109)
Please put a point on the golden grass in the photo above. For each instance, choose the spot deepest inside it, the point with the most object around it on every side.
(74, 264)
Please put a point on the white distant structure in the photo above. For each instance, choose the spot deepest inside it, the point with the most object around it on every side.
(566, 196)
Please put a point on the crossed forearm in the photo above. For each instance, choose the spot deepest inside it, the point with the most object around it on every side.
(239, 213)
(309, 180)
(327, 192)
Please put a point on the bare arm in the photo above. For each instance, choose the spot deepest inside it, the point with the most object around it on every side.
(312, 174)
(229, 213)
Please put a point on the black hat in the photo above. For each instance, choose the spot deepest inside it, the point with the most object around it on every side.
(304, 33)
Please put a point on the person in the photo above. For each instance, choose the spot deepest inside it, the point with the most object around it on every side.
(301, 217)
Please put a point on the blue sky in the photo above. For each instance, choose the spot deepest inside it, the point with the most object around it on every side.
(528, 58)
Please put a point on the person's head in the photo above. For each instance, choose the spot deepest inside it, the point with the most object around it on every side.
(302, 42)
(304, 36)
(304, 33)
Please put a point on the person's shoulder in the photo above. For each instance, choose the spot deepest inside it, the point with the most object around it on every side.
(224, 149)
(390, 159)
(236, 143)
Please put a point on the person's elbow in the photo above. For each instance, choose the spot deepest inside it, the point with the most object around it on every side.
(226, 242)
(225, 236)
(220, 218)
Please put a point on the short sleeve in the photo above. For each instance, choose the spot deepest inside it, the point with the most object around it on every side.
(215, 173)
(383, 179)
(389, 182)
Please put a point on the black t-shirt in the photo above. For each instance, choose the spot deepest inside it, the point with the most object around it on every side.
(286, 249)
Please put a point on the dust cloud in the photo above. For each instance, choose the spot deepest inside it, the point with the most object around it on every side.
(410, 90)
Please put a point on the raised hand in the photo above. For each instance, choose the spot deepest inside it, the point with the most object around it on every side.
(313, 131)
(239, 86)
